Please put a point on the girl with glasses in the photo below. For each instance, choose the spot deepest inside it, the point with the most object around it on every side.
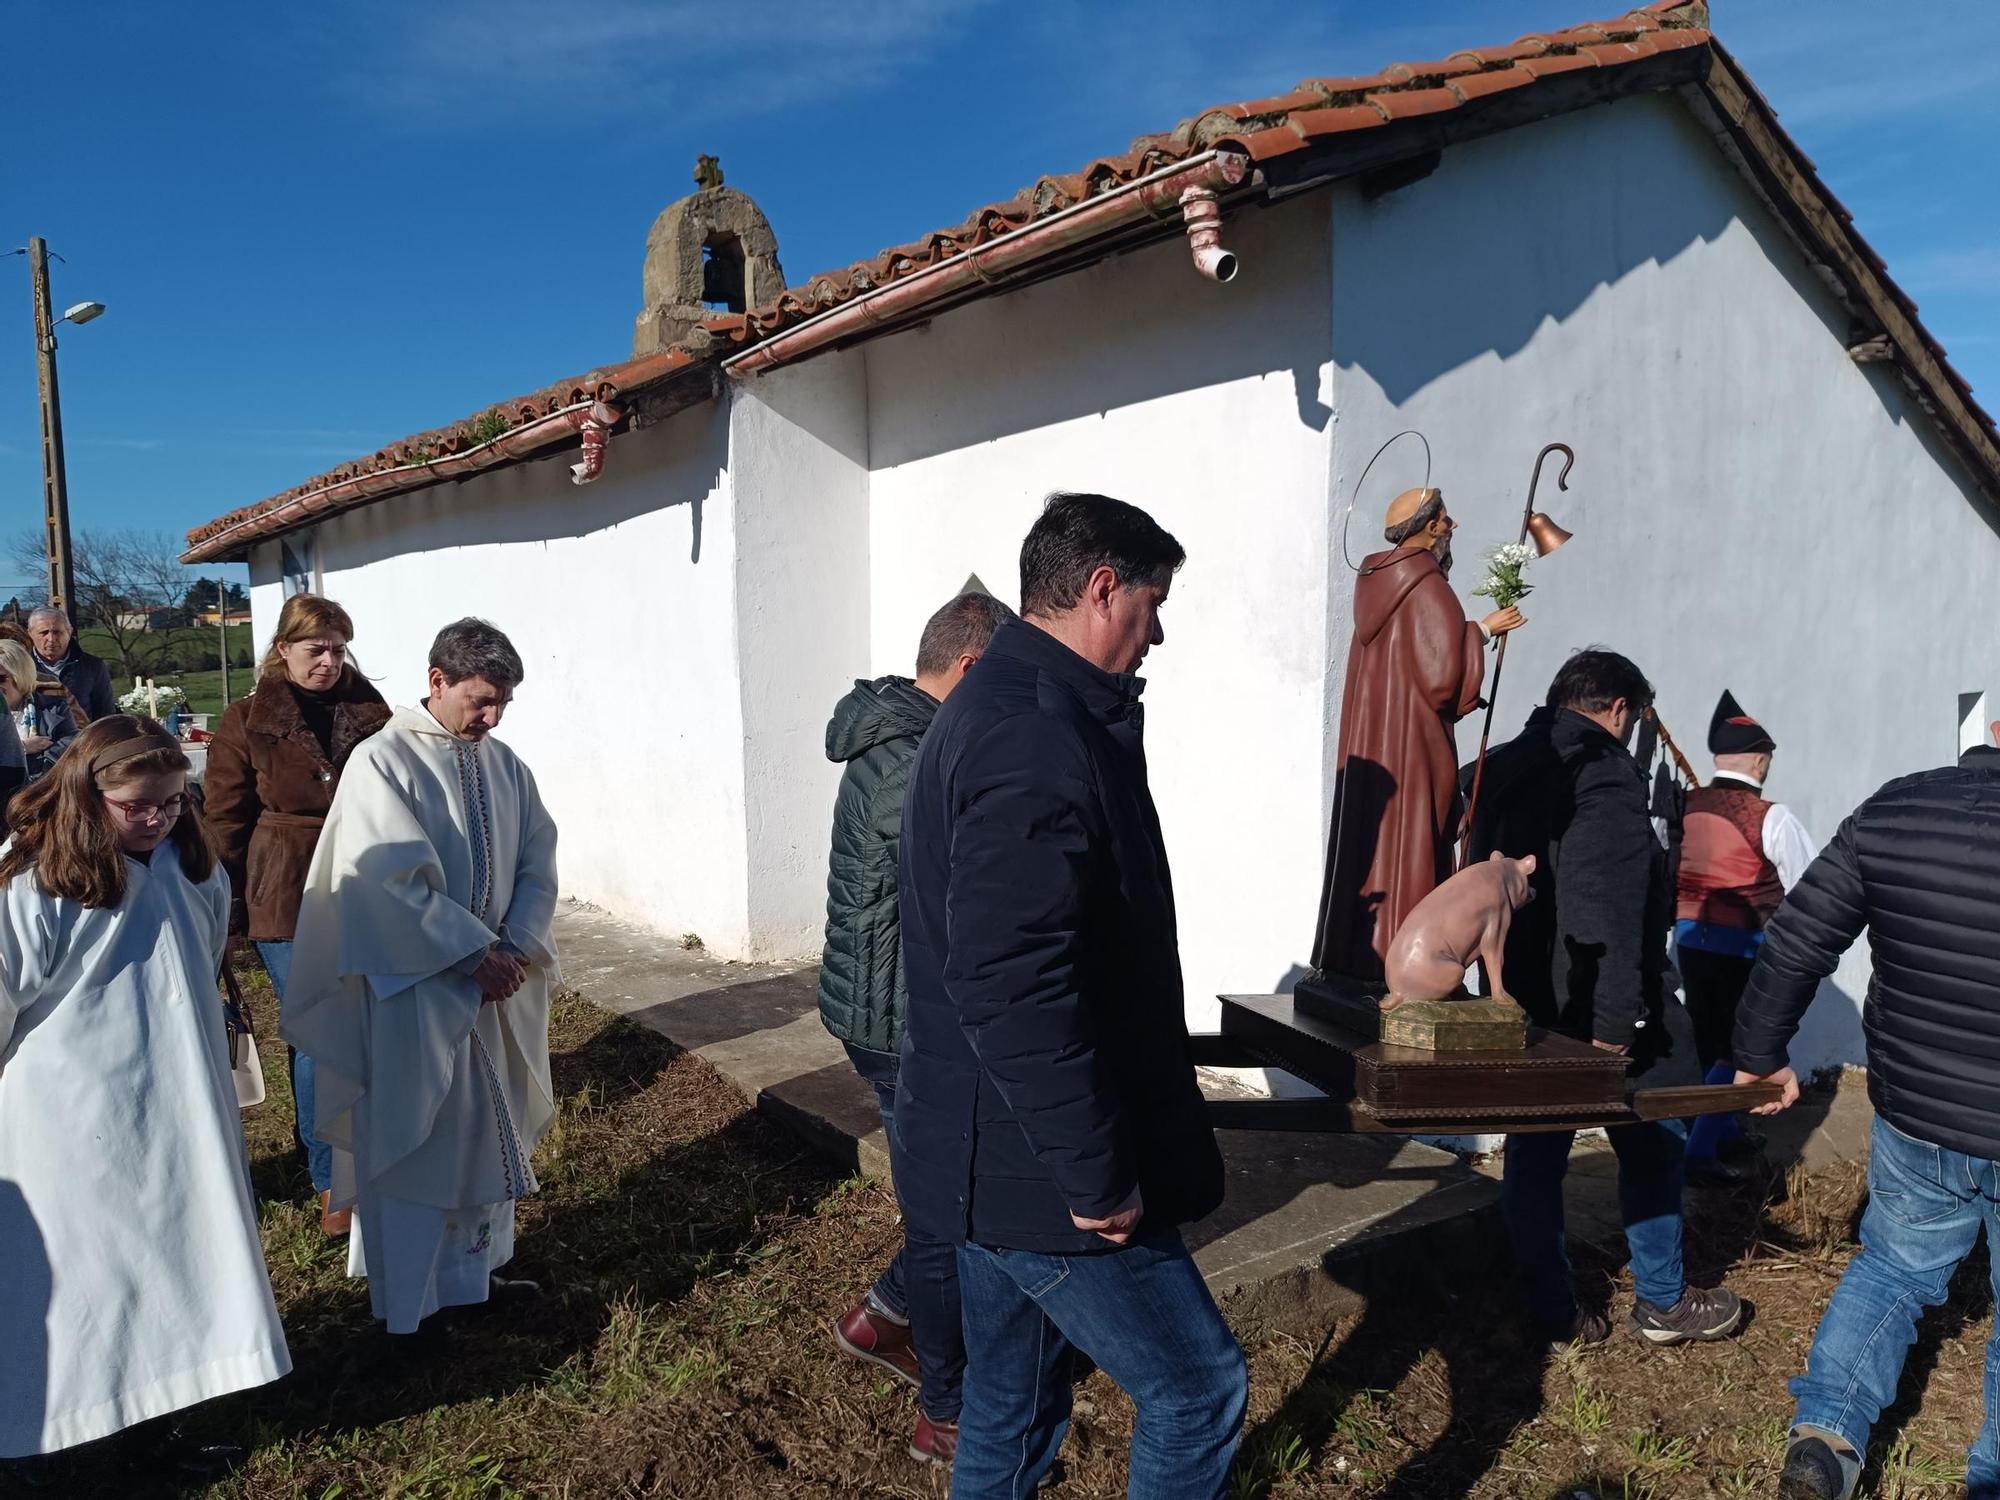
(135, 1281)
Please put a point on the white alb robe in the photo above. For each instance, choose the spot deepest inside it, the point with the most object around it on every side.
(433, 1101)
(132, 1280)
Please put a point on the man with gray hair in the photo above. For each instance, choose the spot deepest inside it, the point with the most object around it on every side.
(58, 653)
(422, 971)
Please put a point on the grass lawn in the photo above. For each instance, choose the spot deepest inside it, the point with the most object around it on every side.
(170, 651)
(695, 1256)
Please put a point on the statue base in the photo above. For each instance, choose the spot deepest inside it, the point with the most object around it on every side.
(1455, 1025)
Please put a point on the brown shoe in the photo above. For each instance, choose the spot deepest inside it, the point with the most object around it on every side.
(866, 1334)
(935, 1442)
(331, 1223)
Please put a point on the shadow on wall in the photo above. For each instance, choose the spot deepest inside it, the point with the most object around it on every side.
(1131, 329)
(677, 462)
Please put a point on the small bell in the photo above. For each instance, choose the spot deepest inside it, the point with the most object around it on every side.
(1545, 534)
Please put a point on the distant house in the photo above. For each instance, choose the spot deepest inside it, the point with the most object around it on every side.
(213, 618)
(147, 619)
(1600, 236)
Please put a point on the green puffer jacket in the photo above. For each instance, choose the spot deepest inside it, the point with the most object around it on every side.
(874, 731)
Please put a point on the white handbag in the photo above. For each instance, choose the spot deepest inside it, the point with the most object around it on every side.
(246, 1069)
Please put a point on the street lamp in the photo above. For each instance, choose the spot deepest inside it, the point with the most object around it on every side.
(55, 480)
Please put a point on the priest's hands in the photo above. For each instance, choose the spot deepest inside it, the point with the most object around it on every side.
(501, 972)
(1118, 1227)
(1785, 1078)
(1501, 621)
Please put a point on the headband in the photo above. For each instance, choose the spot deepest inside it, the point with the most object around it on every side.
(131, 749)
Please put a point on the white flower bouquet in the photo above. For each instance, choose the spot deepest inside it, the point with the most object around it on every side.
(140, 700)
(1503, 583)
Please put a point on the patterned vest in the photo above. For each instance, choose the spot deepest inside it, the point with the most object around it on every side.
(1725, 876)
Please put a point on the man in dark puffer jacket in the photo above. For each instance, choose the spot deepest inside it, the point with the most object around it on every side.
(909, 1322)
(1050, 1123)
(1918, 865)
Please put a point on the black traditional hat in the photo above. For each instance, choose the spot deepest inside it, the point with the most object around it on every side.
(1733, 732)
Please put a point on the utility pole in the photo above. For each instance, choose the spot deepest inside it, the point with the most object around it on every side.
(222, 624)
(55, 482)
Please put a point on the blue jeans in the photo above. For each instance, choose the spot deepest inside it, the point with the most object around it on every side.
(1143, 1314)
(920, 1283)
(1650, 1164)
(1925, 1209)
(277, 959)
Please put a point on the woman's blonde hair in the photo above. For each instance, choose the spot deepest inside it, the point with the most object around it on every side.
(18, 664)
(305, 617)
(61, 829)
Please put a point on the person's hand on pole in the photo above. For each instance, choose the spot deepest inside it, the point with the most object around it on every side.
(1501, 621)
(1785, 1078)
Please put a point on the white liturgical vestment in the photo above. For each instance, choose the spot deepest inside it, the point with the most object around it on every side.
(132, 1281)
(433, 1100)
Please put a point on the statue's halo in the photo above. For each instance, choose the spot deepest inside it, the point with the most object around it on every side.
(1360, 484)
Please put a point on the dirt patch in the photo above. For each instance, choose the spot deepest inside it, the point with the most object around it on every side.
(696, 1254)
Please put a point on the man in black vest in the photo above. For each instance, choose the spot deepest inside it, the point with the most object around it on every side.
(1918, 866)
(1048, 1120)
(1740, 853)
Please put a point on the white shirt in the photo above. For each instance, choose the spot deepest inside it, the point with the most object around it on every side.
(1786, 842)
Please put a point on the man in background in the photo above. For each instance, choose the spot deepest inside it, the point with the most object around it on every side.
(58, 653)
(909, 1322)
(1740, 853)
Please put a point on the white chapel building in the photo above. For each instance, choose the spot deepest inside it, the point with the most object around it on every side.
(1599, 236)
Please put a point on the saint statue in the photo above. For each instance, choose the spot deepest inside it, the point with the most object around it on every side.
(1414, 670)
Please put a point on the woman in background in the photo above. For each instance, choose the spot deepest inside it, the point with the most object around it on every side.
(273, 767)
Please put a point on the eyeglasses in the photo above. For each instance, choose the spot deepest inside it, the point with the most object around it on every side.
(134, 811)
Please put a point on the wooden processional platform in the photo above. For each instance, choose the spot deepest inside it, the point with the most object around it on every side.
(1551, 1083)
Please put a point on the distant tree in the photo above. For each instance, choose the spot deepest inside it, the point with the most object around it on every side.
(201, 597)
(123, 578)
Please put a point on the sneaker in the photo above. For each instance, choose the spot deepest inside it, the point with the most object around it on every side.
(1583, 1327)
(935, 1442)
(867, 1334)
(1702, 1314)
(1816, 1470)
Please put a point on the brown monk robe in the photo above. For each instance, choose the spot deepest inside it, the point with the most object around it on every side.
(1413, 671)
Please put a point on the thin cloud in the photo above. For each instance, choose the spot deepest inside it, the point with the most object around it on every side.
(1975, 269)
(473, 63)
(135, 445)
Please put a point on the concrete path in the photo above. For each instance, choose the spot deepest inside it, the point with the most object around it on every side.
(1310, 1222)
(1296, 1203)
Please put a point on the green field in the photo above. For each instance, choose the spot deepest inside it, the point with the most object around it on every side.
(185, 659)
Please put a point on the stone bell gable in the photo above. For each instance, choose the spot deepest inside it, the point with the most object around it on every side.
(713, 251)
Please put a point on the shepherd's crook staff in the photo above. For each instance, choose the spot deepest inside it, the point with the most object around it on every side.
(1548, 536)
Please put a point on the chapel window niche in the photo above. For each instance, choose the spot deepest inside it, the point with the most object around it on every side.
(722, 287)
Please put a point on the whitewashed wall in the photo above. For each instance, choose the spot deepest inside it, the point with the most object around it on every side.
(1206, 405)
(1752, 510)
(620, 596)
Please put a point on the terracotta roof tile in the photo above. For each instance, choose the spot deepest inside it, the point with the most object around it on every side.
(1266, 129)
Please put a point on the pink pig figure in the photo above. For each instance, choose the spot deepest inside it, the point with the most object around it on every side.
(1464, 919)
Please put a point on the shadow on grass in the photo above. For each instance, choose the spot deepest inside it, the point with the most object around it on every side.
(618, 1233)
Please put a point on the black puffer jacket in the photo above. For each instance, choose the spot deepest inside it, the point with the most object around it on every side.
(1587, 957)
(1918, 865)
(1046, 1069)
(874, 731)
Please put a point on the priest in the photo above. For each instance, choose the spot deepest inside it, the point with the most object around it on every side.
(1414, 669)
(422, 971)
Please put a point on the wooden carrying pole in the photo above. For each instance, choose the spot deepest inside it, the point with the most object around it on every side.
(1500, 656)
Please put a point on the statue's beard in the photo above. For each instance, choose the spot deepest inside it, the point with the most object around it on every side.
(1442, 552)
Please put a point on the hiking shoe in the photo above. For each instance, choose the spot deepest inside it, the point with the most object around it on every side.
(1702, 1314)
(1816, 1470)
(1583, 1327)
(867, 1334)
(935, 1442)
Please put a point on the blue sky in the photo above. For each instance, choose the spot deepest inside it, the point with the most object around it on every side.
(321, 227)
